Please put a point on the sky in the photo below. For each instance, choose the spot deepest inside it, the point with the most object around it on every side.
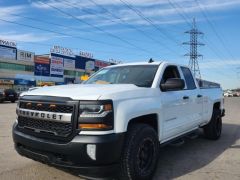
(131, 30)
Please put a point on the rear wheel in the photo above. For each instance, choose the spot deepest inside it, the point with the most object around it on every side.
(213, 129)
(140, 153)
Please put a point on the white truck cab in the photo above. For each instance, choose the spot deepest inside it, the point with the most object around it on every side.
(114, 123)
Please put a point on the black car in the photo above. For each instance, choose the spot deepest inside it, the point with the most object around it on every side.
(8, 95)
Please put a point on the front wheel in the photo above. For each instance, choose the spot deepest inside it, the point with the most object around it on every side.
(140, 153)
(213, 129)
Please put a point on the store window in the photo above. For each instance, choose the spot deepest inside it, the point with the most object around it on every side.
(16, 67)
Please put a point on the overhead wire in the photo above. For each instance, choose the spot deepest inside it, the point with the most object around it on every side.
(183, 14)
(96, 27)
(125, 22)
(148, 20)
(213, 29)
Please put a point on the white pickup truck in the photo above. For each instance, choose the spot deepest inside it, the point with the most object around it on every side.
(114, 123)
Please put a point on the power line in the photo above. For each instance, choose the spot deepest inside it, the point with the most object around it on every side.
(141, 15)
(184, 17)
(71, 47)
(96, 27)
(56, 32)
(46, 22)
(130, 26)
(213, 28)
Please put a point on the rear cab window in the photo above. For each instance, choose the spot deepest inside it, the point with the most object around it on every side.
(189, 80)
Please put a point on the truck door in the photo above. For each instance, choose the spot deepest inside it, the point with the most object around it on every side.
(176, 107)
(194, 114)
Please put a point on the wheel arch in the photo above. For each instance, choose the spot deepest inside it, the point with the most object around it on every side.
(149, 119)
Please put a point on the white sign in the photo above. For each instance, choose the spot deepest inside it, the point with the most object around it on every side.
(69, 63)
(8, 43)
(56, 66)
(90, 65)
(62, 51)
(25, 55)
(8, 53)
(86, 54)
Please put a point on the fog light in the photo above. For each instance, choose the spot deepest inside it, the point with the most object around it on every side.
(91, 151)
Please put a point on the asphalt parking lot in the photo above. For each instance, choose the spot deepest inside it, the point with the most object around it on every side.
(196, 159)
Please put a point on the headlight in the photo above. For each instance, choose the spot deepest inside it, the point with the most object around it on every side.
(95, 115)
(92, 110)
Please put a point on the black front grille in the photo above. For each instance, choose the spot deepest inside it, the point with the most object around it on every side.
(46, 107)
(45, 127)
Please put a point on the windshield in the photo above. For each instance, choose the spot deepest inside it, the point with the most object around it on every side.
(139, 75)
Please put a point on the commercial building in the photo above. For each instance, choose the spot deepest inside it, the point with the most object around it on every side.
(23, 69)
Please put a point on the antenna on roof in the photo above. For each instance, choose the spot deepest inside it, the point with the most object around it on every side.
(150, 60)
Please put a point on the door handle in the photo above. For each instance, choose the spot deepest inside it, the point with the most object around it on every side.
(199, 95)
(185, 97)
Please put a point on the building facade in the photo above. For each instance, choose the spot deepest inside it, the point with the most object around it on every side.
(21, 70)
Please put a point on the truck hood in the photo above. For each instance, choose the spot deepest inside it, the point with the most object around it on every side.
(82, 91)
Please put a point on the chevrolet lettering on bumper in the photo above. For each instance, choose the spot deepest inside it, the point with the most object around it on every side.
(44, 115)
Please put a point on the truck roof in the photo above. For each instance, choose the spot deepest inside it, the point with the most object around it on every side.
(138, 63)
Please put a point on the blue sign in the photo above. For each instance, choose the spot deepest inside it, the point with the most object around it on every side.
(81, 62)
(42, 69)
(24, 82)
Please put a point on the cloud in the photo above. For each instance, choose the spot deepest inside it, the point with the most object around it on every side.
(160, 12)
(216, 64)
(26, 37)
(5, 12)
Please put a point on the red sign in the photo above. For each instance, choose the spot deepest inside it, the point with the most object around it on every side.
(41, 60)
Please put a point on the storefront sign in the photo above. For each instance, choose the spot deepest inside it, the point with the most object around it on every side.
(41, 60)
(101, 64)
(8, 43)
(24, 82)
(25, 56)
(8, 53)
(69, 63)
(45, 83)
(56, 66)
(6, 82)
(62, 51)
(86, 54)
(42, 69)
(90, 65)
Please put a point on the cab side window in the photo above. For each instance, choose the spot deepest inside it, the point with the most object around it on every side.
(188, 78)
(170, 72)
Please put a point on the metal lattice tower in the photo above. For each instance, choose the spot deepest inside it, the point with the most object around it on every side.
(193, 55)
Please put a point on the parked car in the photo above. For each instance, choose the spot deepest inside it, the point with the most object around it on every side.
(114, 123)
(228, 94)
(236, 94)
(8, 95)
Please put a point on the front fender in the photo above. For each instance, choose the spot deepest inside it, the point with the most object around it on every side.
(125, 110)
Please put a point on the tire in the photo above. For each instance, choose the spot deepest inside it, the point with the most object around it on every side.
(140, 153)
(213, 129)
(12, 101)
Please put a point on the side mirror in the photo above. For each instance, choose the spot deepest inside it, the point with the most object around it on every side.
(172, 84)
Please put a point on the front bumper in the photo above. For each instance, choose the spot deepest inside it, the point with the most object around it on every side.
(74, 154)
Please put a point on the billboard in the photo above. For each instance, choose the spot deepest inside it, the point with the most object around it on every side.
(41, 60)
(56, 68)
(90, 65)
(8, 53)
(42, 66)
(101, 64)
(83, 63)
(62, 51)
(42, 69)
(69, 63)
(8, 43)
(7, 81)
(25, 55)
